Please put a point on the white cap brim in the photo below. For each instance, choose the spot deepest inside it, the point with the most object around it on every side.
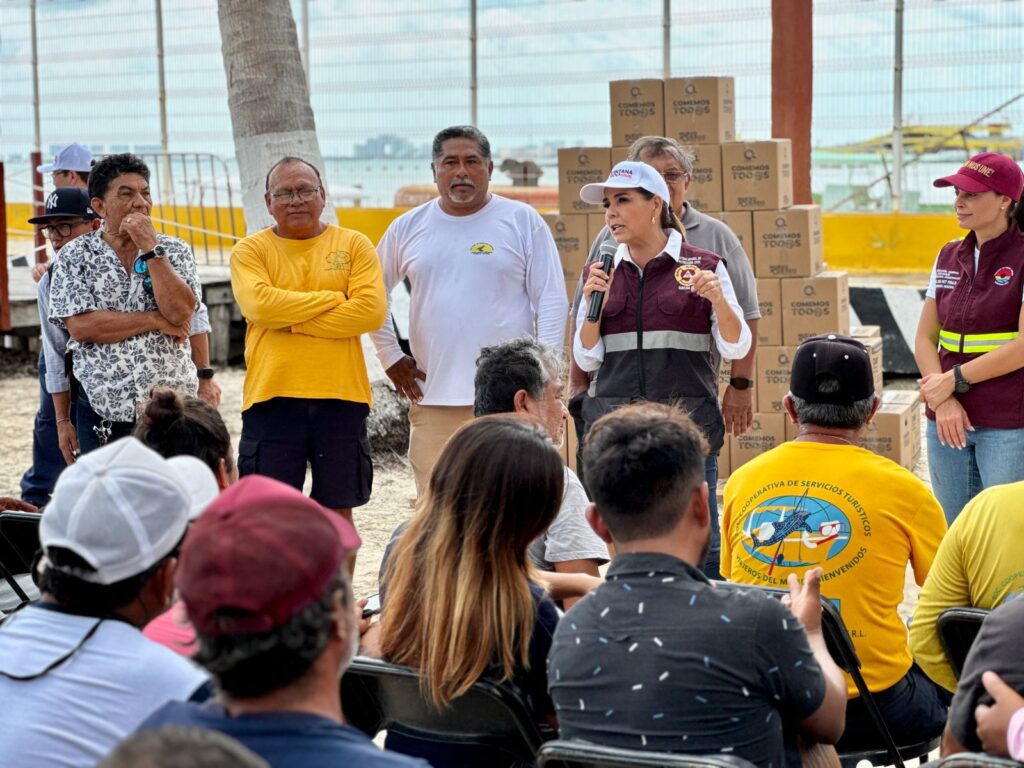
(594, 193)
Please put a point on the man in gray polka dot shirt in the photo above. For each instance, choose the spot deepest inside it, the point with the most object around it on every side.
(656, 658)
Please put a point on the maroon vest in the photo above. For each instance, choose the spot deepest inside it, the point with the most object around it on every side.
(978, 313)
(657, 340)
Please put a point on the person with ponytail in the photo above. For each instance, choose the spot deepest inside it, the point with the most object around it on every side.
(460, 599)
(173, 425)
(667, 308)
(968, 345)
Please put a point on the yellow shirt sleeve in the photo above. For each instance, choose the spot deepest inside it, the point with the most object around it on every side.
(945, 587)
(363, 310)
(265, 305)
(926, 533)
(725, 530)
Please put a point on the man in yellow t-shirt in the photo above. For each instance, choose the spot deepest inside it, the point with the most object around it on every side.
(308, 290)
(821, 500)
(978, 564)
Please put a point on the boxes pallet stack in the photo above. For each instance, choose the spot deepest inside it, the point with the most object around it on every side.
(748, 185)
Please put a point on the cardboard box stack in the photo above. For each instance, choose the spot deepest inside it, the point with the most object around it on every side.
(895, 432)
(748, 185)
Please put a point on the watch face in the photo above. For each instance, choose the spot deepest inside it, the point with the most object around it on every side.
(159, 252)
(962, 387)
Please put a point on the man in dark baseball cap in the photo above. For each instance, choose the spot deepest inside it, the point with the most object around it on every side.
(264, 583)
(66, 215)
(824, 500)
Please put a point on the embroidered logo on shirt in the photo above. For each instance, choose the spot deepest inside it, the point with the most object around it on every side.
(482, 248)
(1003, 275)
(946, 279)
(339, 260)
(685, 275)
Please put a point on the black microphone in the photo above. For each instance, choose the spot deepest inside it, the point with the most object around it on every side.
(597, 297)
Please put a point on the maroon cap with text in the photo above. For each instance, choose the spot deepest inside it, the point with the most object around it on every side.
(987, 171)
(258, 555)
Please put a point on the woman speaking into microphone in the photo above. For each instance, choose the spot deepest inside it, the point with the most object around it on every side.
(664, 304)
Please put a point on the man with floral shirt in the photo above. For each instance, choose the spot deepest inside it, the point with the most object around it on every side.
(126, 296)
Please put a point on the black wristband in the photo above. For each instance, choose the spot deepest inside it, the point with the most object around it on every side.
(204, 373)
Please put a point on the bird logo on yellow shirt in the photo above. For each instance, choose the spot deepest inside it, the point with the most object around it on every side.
(795, 531)
(482, 248)
(339, 260)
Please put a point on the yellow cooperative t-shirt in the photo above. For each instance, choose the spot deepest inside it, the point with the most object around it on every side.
(980, 563)
(859, 516)
(305, 303)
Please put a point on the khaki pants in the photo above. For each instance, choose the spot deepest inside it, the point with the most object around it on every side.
(430, 426)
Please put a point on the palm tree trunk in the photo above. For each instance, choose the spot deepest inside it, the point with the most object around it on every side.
(268, 97)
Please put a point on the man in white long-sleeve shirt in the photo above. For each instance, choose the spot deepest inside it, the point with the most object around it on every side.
(483, 269)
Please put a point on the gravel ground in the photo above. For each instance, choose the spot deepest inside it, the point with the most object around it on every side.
(393, 486)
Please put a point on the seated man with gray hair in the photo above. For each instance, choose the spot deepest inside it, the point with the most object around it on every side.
(822, 500)
(524, 377)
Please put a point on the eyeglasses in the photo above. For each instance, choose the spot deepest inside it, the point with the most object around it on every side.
(287, 195)
(142, 268)
(60, 230)
(672, 177)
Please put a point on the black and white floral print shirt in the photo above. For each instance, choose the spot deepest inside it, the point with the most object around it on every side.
(117, 377)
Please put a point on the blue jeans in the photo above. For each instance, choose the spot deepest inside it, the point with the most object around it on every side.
(712, 562)
(992, 457)
(47, 460)
(86, 421)
(914, 709)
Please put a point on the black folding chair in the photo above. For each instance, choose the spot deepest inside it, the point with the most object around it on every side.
(377, 695)
(957, 629)
(564, 753)
(973, 760)
(840, 648)
(19, 540)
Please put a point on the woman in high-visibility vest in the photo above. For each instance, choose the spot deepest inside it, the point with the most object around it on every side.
(968, 346)
(665, 304)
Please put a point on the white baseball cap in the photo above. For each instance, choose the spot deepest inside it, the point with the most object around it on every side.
(121, 508)
(200, 481)
(71, 157)
(628, 174)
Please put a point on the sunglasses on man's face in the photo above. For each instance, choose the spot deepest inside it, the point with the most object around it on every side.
(142, 269)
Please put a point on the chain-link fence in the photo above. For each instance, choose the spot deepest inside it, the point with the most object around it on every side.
(385, 77)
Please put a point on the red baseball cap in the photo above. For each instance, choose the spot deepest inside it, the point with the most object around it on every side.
(258, 555)
(985, 172)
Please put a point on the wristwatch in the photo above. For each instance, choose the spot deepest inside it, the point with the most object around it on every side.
(158, 252)
(961, 385)
(738, 382)
(204, 373)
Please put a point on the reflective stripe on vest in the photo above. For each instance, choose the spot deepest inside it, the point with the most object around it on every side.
(974, 343)
(689, 342)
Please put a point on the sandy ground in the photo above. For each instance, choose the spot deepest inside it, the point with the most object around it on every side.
(392, 486)
(389, 505)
